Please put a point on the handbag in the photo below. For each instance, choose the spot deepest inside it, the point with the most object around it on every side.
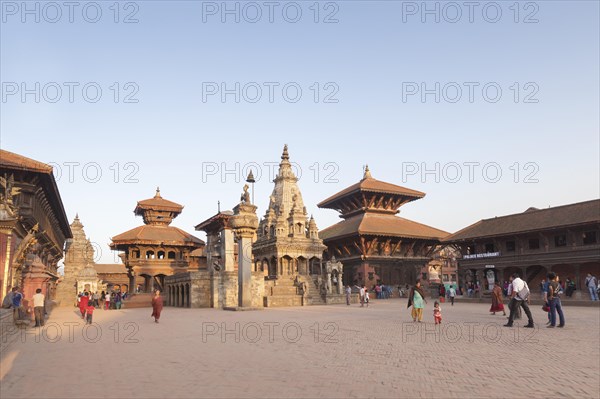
(524, 293)
(545, 307)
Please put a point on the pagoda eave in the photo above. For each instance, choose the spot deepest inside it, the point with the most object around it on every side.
(122, 245)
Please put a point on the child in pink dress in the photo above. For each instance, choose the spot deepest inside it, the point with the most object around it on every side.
(437, 313)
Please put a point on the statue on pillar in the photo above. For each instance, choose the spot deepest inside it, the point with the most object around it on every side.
(245, 197)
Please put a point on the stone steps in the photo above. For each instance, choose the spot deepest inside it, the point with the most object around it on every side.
(138, 301)
(273, 301)
(282, 293)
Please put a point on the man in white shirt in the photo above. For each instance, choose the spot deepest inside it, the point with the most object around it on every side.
(452, 294)
(519, 296)
(38, 308)
(362, 296)
(591, 283)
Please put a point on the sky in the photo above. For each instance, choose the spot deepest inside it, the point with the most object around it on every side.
(487, 107)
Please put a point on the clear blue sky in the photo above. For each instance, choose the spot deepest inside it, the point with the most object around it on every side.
(374, 54)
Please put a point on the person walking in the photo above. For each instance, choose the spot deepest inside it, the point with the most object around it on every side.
(118, 300)
(378, 291)
(451, 294)
(17, 304)
(570, 287)
(367, 297)
(38, 307)
(89, 311)
(84, 300)
(437, 313)
(442, 292)
(362, 295)
(592, 283)
(512, 300)
(348, 293)
(157, 305)
(520, 294)
(554, 290)
(107, 301)
(416, 296)
(497, 304)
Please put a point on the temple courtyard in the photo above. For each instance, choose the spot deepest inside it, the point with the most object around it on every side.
(319, 351)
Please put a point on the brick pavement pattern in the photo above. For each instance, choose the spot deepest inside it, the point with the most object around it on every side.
(333, 351)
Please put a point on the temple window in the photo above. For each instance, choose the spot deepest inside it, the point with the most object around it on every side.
(560, 240)
(136, 253)
(161, 254)
(489, 247)
(510, 246)
(171, 255)
(534, 243)
(149, 254)
(590, 237)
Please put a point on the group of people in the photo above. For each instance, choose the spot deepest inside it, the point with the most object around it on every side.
(382, 291)
(14, 300)
(519, 294)
(105, 300)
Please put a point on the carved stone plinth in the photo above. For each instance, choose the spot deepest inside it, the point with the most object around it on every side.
(244, 223)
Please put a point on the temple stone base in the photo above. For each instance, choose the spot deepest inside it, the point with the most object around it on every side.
(228, 290)
(282, 292)
(66, 292)
(188, 290)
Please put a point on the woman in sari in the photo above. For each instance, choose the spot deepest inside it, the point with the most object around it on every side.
(497, 304)
(157, 305)
(416, 297)
(83, 303)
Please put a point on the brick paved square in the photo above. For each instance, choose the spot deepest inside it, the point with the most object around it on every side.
(320, 351)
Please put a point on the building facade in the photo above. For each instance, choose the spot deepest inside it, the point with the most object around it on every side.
(33, 226)
(563, 239)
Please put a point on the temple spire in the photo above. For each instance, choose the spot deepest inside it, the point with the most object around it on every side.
(285, 156)
(367, 174)
(157, 195)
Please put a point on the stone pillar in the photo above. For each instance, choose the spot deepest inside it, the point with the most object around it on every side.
(132, 282)
(340, 283)
(150, 283)
(578, 293)
(244, 223)
(479, 276)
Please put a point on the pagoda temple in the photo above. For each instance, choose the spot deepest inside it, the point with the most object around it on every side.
(156, 250)
(372, 242)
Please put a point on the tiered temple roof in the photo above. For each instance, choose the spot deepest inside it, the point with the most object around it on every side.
(369, 208)
(158, 213)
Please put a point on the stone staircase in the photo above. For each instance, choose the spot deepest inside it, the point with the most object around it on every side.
(282, 292)
(313, 296)
(138, 301)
